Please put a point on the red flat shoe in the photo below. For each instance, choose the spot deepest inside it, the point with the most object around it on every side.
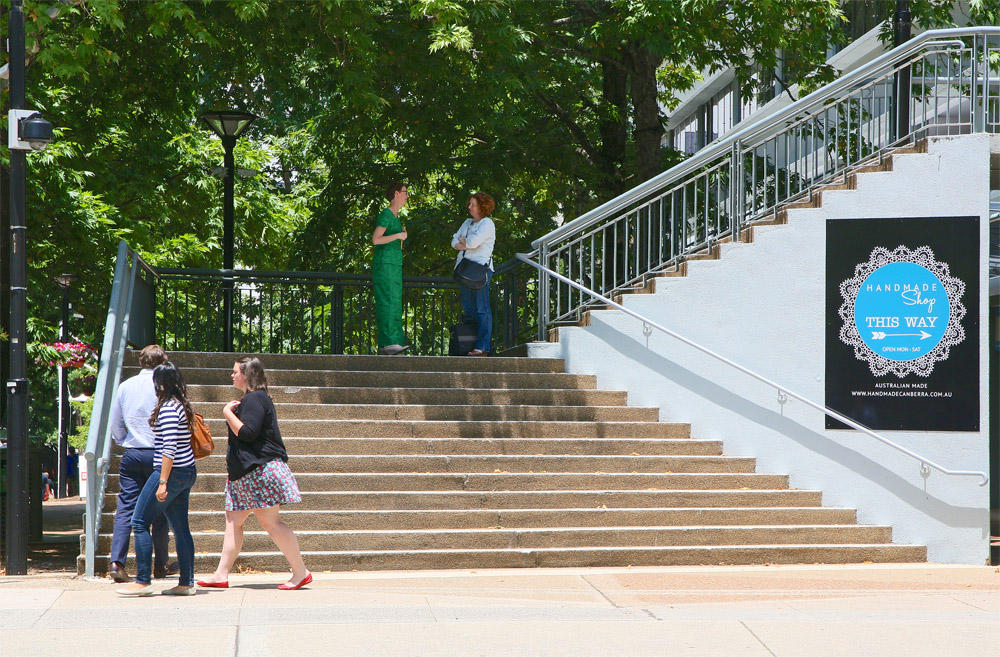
(294, 587)
(213, 585)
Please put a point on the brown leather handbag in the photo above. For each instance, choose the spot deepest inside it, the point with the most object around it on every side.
(201, 438)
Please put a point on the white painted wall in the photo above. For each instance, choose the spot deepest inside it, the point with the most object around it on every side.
(763, 305)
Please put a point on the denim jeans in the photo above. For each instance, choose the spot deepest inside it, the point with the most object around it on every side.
(476, 307)
(175, 508)
(136, 467)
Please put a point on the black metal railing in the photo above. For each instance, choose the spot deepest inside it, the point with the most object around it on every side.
(515, 305)
(317, 313)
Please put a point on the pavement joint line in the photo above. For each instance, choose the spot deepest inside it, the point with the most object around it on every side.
(48, 609)
(968, 604)
(652, 615)
(759, 640)
(431, 609)
(239, 619)
(600, 592)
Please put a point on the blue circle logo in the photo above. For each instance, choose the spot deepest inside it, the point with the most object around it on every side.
(901, 311)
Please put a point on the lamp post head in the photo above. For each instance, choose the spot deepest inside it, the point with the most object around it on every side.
(228, 123)
(65, 280)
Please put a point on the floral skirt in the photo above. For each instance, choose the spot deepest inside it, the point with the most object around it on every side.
(268, 485)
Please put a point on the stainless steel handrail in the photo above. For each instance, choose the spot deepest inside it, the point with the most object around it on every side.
(782, 390)
(756, 129)
(97, 454)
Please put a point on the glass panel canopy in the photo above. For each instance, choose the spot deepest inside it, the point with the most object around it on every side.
(228, 124)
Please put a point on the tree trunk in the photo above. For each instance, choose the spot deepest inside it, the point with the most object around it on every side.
(648, 130)
(613, 127)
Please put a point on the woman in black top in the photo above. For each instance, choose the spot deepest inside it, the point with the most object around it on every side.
(259, 480)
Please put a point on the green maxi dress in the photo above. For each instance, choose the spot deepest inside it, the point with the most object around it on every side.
(387, 276)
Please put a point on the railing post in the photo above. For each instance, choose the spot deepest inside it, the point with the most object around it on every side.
(543, 292)
(735, 191)
(227, 315)
(512, 322)
(980, 105)
(337, 319)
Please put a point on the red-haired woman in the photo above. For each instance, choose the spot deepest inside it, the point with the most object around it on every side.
(476, 237)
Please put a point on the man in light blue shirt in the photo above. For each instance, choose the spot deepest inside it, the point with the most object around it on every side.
(130, 428)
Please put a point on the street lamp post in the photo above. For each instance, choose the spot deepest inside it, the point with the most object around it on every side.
(229, 125)
(27, 130)
(65, 282)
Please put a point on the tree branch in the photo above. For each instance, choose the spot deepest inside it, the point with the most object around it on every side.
(581, 136)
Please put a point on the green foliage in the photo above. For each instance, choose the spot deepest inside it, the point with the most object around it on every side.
(84, 410)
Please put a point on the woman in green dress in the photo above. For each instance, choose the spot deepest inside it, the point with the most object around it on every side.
(387, 271)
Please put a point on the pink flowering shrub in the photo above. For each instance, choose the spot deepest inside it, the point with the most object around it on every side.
(70, 354)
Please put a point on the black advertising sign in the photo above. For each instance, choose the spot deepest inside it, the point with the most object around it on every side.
(902, 324)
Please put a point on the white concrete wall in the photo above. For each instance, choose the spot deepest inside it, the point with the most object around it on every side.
(763, 305)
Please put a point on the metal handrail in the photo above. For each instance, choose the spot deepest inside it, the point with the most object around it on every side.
(783, 392)
(98, 451)
(760, 127)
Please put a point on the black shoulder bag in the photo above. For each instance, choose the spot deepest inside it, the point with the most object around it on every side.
(471, 274)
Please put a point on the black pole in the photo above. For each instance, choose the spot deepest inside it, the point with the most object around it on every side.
(227, 242)
(901, 28)
(61, 482)
(17, 386)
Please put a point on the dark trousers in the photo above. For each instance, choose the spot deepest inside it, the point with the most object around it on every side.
(476, 307)
(135, 469)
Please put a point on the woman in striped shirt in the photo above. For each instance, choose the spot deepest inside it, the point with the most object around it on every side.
(167, 490)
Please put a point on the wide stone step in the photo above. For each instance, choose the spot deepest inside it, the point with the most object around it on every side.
(472, 446)
(469, 429)
(627, 499)
(362, 363)
(376, 379)
(318, 482)
(494, 463)
(479, 412)
(574, 557)
(568, 537)
(315, 394)
(538, 518)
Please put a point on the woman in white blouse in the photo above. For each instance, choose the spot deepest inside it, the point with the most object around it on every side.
(476, 237)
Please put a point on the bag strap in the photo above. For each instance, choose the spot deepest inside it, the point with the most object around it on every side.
(461, 254)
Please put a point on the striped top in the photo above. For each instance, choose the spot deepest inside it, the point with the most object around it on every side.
(173, 438)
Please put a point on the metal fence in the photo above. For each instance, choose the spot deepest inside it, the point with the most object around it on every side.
(944, 82)
(317, 313)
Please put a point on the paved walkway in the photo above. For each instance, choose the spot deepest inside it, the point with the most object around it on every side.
(778, 611)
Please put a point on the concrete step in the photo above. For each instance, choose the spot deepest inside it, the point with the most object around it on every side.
(543, 499)
(565, 537)
(477, 412)
(313, 394)
(573, 557)
(500, 463)
(330, 520)
(376, 379)
(362, 363)
(471, 446)
(469, 429)
(324, 481)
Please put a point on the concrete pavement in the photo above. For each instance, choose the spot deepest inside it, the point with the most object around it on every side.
(778, 611)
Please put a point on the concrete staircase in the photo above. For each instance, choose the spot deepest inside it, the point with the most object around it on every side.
(432, 462)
